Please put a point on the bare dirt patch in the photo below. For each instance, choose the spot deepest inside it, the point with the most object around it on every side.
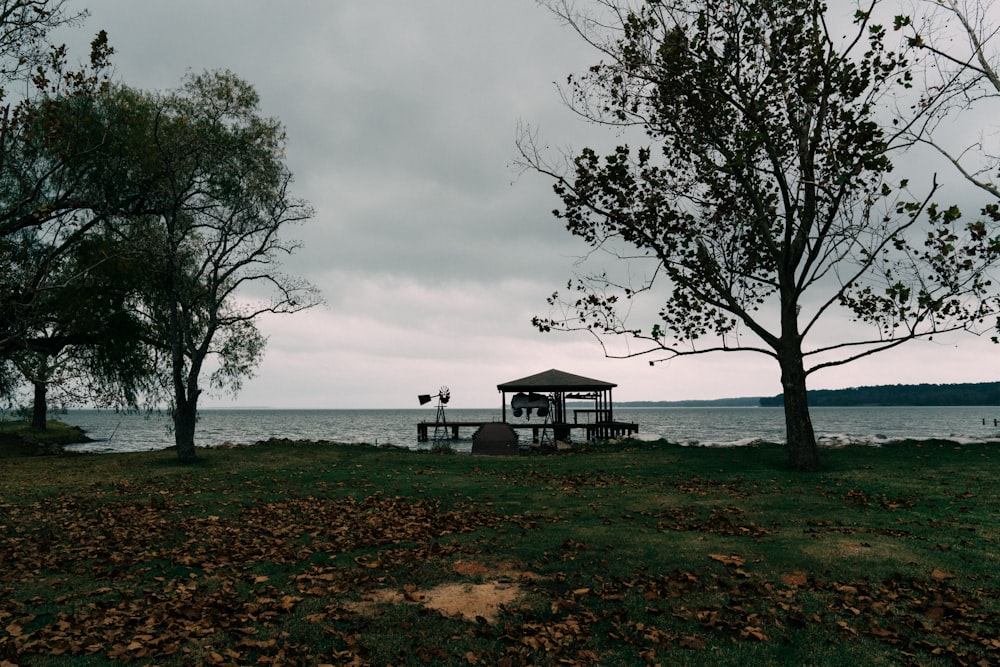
(468, 600)
(471, 601)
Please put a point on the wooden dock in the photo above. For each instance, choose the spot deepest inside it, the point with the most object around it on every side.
(592, 431)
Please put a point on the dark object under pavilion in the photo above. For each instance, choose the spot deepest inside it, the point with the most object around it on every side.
(560, 385)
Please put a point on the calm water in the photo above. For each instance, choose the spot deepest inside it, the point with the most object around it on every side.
(114, 432)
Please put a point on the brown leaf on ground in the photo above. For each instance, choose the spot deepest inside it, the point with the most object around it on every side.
(736, 561)
(795, 579)
(212, 588)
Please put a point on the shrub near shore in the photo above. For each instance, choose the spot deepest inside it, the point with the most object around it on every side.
(17, 438)
(643, 553)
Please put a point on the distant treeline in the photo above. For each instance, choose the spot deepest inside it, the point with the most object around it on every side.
(983, 393)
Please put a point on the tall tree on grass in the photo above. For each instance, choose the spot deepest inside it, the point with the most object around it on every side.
(214, 247)
(82, 338)
(73, 160)
(759, 197)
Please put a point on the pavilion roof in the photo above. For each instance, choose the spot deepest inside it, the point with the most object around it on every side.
(555, 380)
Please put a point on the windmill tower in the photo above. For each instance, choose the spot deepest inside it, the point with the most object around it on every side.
(441, 434)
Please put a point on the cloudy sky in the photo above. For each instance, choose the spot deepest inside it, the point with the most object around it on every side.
(432, 252)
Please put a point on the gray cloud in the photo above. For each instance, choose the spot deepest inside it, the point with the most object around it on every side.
(433, 253)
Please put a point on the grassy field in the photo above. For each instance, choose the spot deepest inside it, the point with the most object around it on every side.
(642, 553)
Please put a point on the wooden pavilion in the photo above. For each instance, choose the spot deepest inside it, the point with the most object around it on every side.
(546, 394)
(556, 387)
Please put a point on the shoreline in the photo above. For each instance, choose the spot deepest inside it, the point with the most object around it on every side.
(110, 432)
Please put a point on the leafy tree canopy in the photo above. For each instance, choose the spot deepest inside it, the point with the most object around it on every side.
(760, 200)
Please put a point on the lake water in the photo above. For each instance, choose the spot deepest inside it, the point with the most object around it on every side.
(113, 432)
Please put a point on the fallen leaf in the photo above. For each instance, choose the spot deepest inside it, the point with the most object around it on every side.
(935, 613)
(738, 561)
(692, 642)
(797, 578)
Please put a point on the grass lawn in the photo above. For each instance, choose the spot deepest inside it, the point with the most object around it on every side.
(635, 554)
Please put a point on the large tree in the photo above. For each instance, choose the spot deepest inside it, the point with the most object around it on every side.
(190, 184)
(760, 195)
(73, 159)
(213, 248)
(80, 335)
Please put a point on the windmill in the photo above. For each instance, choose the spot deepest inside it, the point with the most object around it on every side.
(440, 423)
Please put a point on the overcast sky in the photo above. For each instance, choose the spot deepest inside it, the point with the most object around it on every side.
(432, 252)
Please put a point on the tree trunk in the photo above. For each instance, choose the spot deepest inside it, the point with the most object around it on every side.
(39, 410)
(185, 393)
(185, 417)
(803, 454)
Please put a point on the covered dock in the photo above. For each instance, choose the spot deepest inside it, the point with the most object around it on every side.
(557, 387)
(541, 400)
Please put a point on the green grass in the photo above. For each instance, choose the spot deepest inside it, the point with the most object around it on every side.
(635, 554)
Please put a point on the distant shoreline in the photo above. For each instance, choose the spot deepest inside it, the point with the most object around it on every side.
(892, 395)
